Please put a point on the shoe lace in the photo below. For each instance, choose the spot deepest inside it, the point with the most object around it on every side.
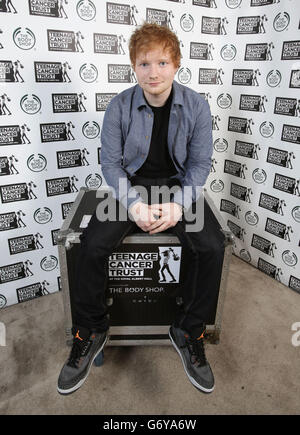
(197, 351)
(78, 350)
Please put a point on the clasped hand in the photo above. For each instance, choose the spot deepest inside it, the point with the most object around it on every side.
(155, 218)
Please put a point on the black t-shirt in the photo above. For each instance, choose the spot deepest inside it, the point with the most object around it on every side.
(159, 162)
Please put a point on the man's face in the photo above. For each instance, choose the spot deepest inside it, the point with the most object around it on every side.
(155, 73)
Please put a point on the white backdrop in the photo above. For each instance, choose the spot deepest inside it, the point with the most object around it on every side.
(61, 62)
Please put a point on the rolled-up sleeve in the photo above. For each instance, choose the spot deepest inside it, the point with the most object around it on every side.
(199, 153)
(111, 156)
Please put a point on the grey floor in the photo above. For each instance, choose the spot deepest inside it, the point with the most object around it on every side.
(256, 366)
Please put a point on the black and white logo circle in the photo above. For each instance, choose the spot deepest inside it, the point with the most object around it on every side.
(281, 21)
(93, 181)
(91, 129)
(259, 175)
(216, 186)
(273, 78)
(42, 215)
(48, 263)
(228, 52)
(266, 129)
(289, 258)
(224, 101)
(24, 38)
(86, 10)
(233, 4)
(30, 104)
(187, 22)
(220, 145)
(36, 162)
(184, 75)
(88, 72)
(251, 218)
(296, 213)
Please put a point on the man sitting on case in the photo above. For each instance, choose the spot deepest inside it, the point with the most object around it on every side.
(156, 133)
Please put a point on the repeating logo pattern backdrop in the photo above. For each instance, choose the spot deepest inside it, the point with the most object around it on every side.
(62, 61)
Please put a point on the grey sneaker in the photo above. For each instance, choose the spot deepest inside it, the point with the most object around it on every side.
(191, 351)
(86, 346)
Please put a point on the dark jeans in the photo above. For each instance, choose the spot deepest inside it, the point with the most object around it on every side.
(205, 250)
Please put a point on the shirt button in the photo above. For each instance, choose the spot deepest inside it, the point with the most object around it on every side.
(149, 116)
(147, 137)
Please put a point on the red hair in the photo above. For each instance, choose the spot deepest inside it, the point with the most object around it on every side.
(151, 35)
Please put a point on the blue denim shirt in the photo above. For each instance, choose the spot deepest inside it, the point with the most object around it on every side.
(126, 135)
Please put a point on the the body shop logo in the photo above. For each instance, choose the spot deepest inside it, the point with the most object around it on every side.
(30, 104)
(49, 263)
(266, 129)
(42, 215)
(91, 130)
(251, 218)
(281, 21)
(217, 186)
(24, 38)
(273, 78)
(184, 75)
(36, 162)
(228, 52)
(187, 22)
(289, 258)
(93, 181)
(259, 175)
(220, 145)
(233, 4)
(296, 213)
(86, 10)
(224, 101)
(88, 72)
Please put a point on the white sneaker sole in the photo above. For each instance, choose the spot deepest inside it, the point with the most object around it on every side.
(192, 380)
(79, 384)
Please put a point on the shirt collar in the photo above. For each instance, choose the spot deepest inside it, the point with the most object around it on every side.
(140, 100)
